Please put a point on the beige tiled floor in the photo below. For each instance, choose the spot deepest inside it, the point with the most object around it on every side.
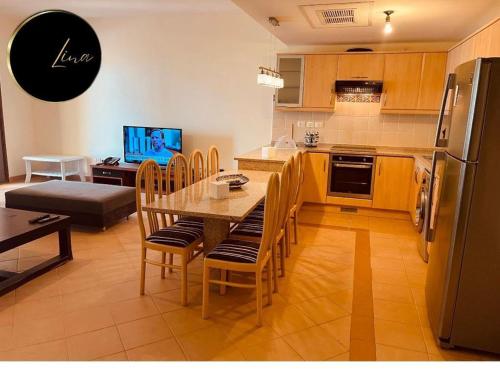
(91, 308)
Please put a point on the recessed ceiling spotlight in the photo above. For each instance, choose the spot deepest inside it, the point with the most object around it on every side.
(388, 26)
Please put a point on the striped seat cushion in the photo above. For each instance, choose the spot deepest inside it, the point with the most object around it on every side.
(175, 236)
(236, 251)
(190, 222)
(249, 228)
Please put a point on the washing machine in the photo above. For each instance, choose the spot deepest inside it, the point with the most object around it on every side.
(420, 214)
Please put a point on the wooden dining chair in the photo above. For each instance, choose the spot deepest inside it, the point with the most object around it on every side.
(178, 173)
(299, 177)
(213, 161)
(291, 201)
(196, 166)
(174, 240)
(245, 256)
(252, 227)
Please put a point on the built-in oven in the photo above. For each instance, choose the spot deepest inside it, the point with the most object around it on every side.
(351, 175)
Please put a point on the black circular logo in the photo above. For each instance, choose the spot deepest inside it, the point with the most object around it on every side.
(54, 55)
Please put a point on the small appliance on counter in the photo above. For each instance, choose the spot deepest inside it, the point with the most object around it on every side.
(311, 138)
(285, 142)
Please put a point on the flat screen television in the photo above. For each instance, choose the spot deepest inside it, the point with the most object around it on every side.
(160, 144)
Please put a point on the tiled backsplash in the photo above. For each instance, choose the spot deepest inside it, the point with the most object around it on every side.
(360, 123)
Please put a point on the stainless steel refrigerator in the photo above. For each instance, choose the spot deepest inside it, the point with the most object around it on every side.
(463, 277)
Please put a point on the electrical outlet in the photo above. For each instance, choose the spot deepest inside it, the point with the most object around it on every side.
(310, 124)
(301, 124)
(318, 125)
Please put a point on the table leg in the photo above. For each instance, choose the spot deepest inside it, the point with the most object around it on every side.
(215, 231)
(28, 171)
(63, 171)
(65, 243)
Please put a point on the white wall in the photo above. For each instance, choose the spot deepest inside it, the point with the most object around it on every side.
(192, 71)
(17, 106)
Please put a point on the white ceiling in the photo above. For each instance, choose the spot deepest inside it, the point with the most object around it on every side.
(115, 8)
(413, 20)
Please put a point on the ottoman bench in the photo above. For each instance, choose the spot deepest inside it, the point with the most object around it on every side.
(88, 204)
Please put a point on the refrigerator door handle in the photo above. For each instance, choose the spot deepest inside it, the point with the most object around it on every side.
(441, 140)
(430, 224)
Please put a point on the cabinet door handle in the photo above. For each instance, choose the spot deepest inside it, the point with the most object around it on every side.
(380, 168)
(324, 165)
(417, 171)
(385, 98)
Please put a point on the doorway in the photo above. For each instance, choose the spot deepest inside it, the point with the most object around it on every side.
(4, 169)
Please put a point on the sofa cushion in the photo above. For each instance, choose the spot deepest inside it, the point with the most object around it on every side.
(71, 196)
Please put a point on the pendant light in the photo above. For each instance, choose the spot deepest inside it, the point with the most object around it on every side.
(388, 25)
(267, 76)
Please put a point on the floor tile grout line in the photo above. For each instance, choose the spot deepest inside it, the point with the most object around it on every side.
(171, 331)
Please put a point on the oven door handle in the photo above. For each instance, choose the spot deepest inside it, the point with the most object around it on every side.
(355, 166)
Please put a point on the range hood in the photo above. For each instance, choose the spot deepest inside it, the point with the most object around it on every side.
(358, 87)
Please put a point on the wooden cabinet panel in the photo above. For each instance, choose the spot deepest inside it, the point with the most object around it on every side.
(315, 177)
(432, 81)
(494, 46)
(319, 77)
(467, 51)
(392, 183)
(361, 66)
(452, 61)
(402, 80)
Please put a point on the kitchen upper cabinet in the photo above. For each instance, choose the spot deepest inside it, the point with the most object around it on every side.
(402, 74)
(319, 78)
(392, 183)
(291, 69)
(361, 67)
(432, 81)
(315, 177)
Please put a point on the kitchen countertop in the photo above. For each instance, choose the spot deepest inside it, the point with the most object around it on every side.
(282, 154)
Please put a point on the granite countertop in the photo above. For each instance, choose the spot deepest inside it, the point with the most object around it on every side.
(282, 154)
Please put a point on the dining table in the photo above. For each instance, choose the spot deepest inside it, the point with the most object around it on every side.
(217, 214)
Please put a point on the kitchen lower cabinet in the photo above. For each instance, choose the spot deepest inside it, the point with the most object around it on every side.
(315, 177)
(392, 183)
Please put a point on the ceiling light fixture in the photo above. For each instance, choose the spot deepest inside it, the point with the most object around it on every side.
(267, 76)
(388, 25)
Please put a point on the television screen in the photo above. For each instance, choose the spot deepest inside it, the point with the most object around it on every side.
(142, 143)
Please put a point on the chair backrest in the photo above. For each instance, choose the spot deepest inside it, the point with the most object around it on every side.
(149, 174)
(293, 181)
(299, 166)
(177, 170)
(213, 161)
(270, 226)
(196, 166)
(283, 210)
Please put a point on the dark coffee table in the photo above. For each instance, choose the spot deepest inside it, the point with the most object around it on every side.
(16, 231)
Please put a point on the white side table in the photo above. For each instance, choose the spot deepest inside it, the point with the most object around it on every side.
(66, 166)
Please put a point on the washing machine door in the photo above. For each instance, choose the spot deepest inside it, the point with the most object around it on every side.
(420, 211)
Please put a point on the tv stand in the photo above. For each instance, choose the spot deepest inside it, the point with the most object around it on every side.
(122, 174)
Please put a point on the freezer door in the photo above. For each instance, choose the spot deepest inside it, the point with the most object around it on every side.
(449, 235)
(468, 109)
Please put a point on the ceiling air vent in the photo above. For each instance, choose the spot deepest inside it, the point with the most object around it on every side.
(339, 14)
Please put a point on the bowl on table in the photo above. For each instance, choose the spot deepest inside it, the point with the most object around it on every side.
(235, 181)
